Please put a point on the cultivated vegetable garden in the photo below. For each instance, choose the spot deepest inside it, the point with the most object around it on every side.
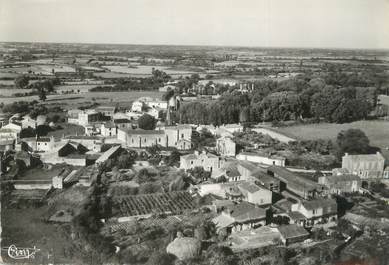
(169, 203)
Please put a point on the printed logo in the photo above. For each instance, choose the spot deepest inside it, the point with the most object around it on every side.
(22, 253)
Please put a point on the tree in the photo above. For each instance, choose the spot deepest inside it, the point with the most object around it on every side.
(42, 95)
(21, 81)
(125, 161)
(149, 187)
(144, 176)
(199, 173)
(353, 141)
(220, 255)
(161, 259)
(147, 122)
(173, 159)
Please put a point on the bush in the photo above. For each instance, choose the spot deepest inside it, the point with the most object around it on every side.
(147, 122)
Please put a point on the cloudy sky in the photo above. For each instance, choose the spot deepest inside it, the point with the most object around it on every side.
(263, 23)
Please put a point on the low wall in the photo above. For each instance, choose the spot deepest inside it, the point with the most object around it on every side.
(275, 135)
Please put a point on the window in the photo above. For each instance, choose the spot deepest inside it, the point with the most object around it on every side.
(182, 135)
(132, 140)
(45, 143)
(159, 139)
(314, 211)
(144, 140)
(191, 162)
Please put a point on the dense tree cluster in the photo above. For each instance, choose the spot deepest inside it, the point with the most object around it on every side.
(147, 122)
(297, 98)
(22, 81)
(354, 141)
(24, 107)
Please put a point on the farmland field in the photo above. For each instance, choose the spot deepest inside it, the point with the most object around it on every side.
(145, 70)
(174, 202)
(377, 132)
(7, 82)
(72, 100)
(5, 74)
(8, 92)
(68, 88)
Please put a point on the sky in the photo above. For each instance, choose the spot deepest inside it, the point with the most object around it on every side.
(360, 24)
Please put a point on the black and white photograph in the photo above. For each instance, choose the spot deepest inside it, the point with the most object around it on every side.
(194, 132)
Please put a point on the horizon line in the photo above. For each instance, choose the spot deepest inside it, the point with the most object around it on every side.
(201, 45)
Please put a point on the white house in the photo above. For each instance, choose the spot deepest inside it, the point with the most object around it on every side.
(10, 131)
(255, 194)
(206, 160)
(270, 160)
(365, 166)
(108, 129)
(137, 106)
(315, 211)
(225, 146)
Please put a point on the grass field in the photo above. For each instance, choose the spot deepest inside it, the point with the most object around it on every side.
(40, 173)
(69, 101)
(67, 129)
(68, 88)
(25, 228)
(377, 132)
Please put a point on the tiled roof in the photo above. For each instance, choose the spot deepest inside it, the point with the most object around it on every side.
(121, 121)
(292, 231)
(250, 187)
(369, 157)
(143, 132)
(107, 154)
(248, 165)
(291, 177)
(344, 177)
(105, 108)
(194, 156)
(244, 212)
(109, 125)
(82, 137)
(319, 203)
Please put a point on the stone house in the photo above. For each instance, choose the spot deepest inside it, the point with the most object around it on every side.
(338, 184)
(208, 161)
(10, 131)
(365, 166)
(107, 111)
(315, 211)
(170, 136)
(292, 233)
(225, 146)
(39, 144)
(255, 194)
(83, 117)
(296, 184)
(240, 217)
(108, 129)
(137, 106)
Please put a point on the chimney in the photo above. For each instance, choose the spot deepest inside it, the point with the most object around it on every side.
(345, 154)
(196, 153)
